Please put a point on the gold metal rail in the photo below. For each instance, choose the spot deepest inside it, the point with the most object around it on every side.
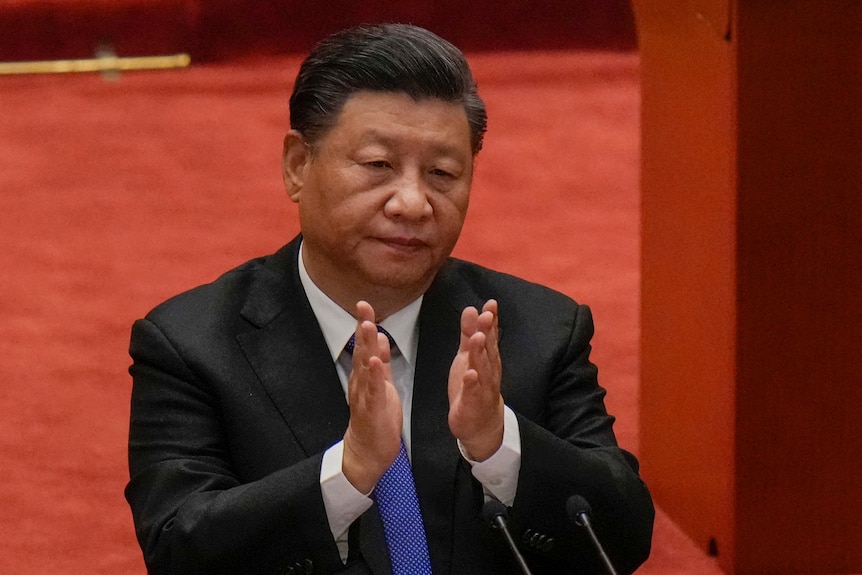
(100, 64)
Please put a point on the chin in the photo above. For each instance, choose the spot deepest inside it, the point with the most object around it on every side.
(401, 278)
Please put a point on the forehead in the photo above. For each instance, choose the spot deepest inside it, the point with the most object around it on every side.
(389, 117)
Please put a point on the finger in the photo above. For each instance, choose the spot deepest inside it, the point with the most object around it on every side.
(468, 389)
(367, 387)
(488, 319)
(365, 336)
(491, 305)
(489, 324)
(469, 320)
(463, 396)
(471, 381)
(384, 352)
(486, 324)
(365, 379)
(364, 311)
(365, 343)
(476, 348)
(481, 361)
(361, 376)
(377, 380)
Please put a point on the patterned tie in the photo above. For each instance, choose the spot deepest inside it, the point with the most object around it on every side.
(398, 505)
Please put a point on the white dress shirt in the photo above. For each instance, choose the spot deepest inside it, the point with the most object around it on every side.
(344, 504)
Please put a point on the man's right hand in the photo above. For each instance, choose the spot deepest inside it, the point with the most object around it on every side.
(373, 436)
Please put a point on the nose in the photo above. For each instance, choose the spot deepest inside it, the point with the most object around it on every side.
(409, 200)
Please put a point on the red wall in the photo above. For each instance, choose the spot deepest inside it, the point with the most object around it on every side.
(799, 286)
(688, 267)
(752, 278)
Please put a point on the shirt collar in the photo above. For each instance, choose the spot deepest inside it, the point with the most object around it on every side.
(338, 325)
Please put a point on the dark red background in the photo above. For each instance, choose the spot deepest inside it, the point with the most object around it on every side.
(219, 29)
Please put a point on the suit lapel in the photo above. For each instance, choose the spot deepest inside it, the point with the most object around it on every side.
(288, 353)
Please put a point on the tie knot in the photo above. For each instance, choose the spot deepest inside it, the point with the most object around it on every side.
(351, 343)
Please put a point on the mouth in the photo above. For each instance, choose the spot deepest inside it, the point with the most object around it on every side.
(403, 243)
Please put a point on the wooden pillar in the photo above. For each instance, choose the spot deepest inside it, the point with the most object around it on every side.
(751, 421)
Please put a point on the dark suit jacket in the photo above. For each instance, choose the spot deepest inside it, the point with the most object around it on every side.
(236, 398)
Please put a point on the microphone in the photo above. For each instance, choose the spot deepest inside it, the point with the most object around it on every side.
(497, 517)
(579, 512)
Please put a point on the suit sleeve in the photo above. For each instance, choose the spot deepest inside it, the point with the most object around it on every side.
(192, 512)
(568, 448)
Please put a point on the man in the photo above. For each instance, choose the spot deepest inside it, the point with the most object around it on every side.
(245, 456)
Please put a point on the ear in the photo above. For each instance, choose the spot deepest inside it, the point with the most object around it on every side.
(295, 159)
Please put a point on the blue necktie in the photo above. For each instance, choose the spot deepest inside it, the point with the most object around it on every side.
(398, 506)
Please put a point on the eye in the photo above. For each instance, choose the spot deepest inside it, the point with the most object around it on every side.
(378, 164)
(441, 173)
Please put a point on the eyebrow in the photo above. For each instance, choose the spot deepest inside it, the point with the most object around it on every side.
(372, 136)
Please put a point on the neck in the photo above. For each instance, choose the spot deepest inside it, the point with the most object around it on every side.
(346, 291)
(385, 301)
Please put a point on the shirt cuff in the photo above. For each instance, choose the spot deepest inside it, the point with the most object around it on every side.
(499, 473)
(343, 502)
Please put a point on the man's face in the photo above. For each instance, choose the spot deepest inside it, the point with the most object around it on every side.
(383, 195)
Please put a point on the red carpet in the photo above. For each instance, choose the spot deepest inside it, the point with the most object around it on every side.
(116, 195)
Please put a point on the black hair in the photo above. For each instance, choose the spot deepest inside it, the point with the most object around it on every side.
(382, 58)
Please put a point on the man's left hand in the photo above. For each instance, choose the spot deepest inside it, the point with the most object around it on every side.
(475, 404)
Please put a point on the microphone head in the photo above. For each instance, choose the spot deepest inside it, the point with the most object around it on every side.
(491, 510)
(576, 506)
